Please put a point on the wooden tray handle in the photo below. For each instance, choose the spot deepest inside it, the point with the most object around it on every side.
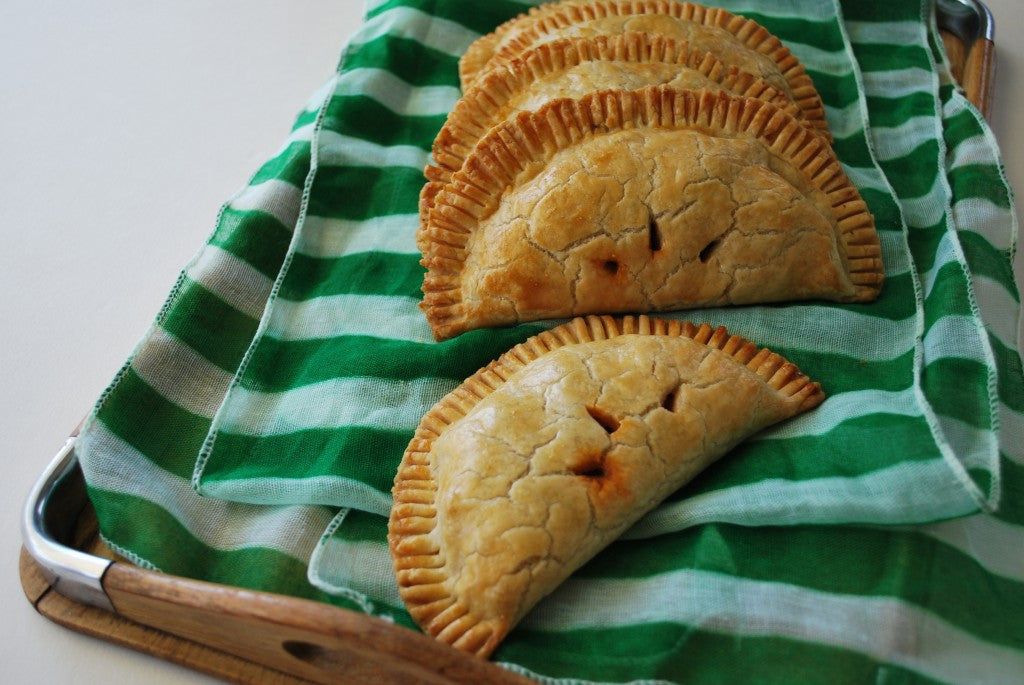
(973, 69)
(311, 640)
(979, 74)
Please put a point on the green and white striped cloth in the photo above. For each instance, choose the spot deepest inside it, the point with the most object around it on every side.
(253, 436)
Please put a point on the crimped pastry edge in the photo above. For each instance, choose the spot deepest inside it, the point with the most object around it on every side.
(474, 191)
(476, 112)
(419, 563)
(547, 18)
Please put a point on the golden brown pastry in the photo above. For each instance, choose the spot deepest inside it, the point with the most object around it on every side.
(541, 459)
(643, 201)
(574, 67)
(733, 39)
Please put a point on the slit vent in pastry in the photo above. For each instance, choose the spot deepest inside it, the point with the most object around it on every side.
(573, 67)
(640, 201)
(542, 458)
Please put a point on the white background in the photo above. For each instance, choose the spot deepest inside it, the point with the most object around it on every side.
(123, 128)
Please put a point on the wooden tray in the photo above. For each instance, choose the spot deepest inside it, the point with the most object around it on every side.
(244, 636)
(72, 578)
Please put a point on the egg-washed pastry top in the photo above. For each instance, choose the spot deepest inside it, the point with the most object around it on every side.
(639, 201)
(731, 38)
(573, 67)
(542, 458)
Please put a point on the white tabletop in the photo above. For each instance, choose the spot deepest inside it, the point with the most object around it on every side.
(105, 107)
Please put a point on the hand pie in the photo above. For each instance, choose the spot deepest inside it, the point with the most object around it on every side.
(574, 67)
(541, 459)
(733, 39)
(639, 201)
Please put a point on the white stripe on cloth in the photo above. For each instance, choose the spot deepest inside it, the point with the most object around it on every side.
(845, 121)
(338, 150)
(929, 209)
(975, 448)
(318, 98)
(331, 316)
(984, 217)
(945, 253)
(181, 374)
(798, 326)
(814, 58)
(887, 629)
(326, 238)
(336, 403)
(954, 336)
(397, 95)
(868, 178)
(292, 530)
(433, 32)
(916, 490)
(998, 308)
(974, 150)
(842, 407)
(1011, 427)
(342, 567)
(302, 134)
(278, 198)
(400, 404)
(903, 139)
(891, 32)
(310, 491)
(231, 279)
(897, 84)
(784, 9)
(993, 544)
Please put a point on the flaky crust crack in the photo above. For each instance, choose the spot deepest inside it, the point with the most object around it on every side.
(539, 460)
(645, 200)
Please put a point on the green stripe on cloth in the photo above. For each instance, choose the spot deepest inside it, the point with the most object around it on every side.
(482, 19)
(881, 57)
(312, 361)
(1011, 390)
(814, 558)
(881, 12)
(258, 238)
(1012, 512)
(986, 260)
(179, 552)
(675, 649)
(175, 434)
(980, 180)
(286, 167)
(362, 192)
(365, 273)
(137, 449)
(366, 118)
(408, 60)
(893, 111)
(219, 331)
(314, 452)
